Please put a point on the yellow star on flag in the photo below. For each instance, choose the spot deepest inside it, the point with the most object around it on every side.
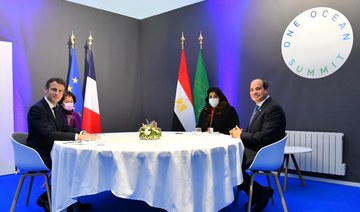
(75, 80)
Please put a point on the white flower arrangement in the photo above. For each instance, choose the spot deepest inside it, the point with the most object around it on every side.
(149, 131)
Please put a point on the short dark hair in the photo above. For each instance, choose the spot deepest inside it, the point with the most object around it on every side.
(265, 84)
(68, 93)
(55, 79)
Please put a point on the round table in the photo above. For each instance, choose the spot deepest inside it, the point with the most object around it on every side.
(179, 172)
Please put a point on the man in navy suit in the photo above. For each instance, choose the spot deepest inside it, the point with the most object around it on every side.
(46, 124)
(266, 126)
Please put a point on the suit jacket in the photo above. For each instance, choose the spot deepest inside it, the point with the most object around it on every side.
(267, 127)
(44, 129)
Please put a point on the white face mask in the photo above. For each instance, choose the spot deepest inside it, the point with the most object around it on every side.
(69, 106)
(214, 102)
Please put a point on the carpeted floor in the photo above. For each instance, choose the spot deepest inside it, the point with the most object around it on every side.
(315, 196)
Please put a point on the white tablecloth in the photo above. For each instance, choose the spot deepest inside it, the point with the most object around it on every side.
(179, 172)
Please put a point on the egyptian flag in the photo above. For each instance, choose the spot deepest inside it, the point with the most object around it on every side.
(184, 116)
(91, 113)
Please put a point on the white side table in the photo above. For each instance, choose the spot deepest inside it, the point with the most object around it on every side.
(290, 151)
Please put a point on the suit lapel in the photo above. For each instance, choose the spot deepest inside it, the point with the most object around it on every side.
(263, 106)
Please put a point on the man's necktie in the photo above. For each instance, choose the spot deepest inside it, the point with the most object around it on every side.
(54, 111)
(254, 113)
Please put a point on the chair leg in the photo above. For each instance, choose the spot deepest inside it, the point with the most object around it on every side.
(43, 185)
(286, 170)
(13, 204)
(269, 184)
(280, 193)
(29, 190)
(251, 192)
(48, 189)
(281, 168)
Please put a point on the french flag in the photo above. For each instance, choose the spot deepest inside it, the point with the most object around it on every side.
(91, 114)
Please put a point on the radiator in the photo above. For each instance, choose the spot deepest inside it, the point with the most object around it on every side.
(327, 151)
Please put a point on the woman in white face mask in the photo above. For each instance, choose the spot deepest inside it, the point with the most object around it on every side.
(67, 103)
(217, 115)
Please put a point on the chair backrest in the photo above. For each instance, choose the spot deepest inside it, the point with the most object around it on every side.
(26, 158)
(270, 157)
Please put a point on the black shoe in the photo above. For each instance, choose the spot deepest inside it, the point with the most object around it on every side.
(84, 206)
(240, 187)
(80, 207)
(253, 203)
(264, 198)
(44, 203)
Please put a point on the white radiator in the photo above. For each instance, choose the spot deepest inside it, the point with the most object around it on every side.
(327, 151)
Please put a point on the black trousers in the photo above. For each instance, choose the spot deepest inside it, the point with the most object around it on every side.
(248, 158)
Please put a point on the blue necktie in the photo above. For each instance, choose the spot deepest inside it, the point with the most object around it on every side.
(254, 113)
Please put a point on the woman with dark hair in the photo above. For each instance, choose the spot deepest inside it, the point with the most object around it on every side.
(217, 114)
(71, 117)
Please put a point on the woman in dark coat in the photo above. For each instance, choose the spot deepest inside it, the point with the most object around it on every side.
(217, 113)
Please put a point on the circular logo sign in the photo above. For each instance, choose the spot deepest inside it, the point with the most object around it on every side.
(317, 42)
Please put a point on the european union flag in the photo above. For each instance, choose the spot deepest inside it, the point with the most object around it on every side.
(74, 84)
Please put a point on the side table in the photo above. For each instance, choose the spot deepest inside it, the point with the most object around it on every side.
(290, 151)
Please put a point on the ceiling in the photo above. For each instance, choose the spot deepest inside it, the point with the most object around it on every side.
(138, 9)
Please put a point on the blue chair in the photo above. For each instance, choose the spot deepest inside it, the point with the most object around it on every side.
(30, 164)
(268, 159)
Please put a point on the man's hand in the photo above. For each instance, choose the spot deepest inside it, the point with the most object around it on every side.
(235, 132)
(88, 136)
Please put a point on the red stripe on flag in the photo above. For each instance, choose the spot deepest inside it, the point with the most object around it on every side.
(91, 121)
(184, 76)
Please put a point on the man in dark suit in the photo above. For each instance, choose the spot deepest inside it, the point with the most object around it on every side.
(46, 124)
(267, 125)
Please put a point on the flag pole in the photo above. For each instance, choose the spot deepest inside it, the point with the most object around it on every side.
(71, 44)
(182, 40)
(90, 41)
(72, 39)
(91, 115)
(73, 78)
(201, 40)
(201, 83)
(184, 116)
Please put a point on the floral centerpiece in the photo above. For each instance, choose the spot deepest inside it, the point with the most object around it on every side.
(149, 131)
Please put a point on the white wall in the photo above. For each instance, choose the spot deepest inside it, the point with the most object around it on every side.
(7, 165)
